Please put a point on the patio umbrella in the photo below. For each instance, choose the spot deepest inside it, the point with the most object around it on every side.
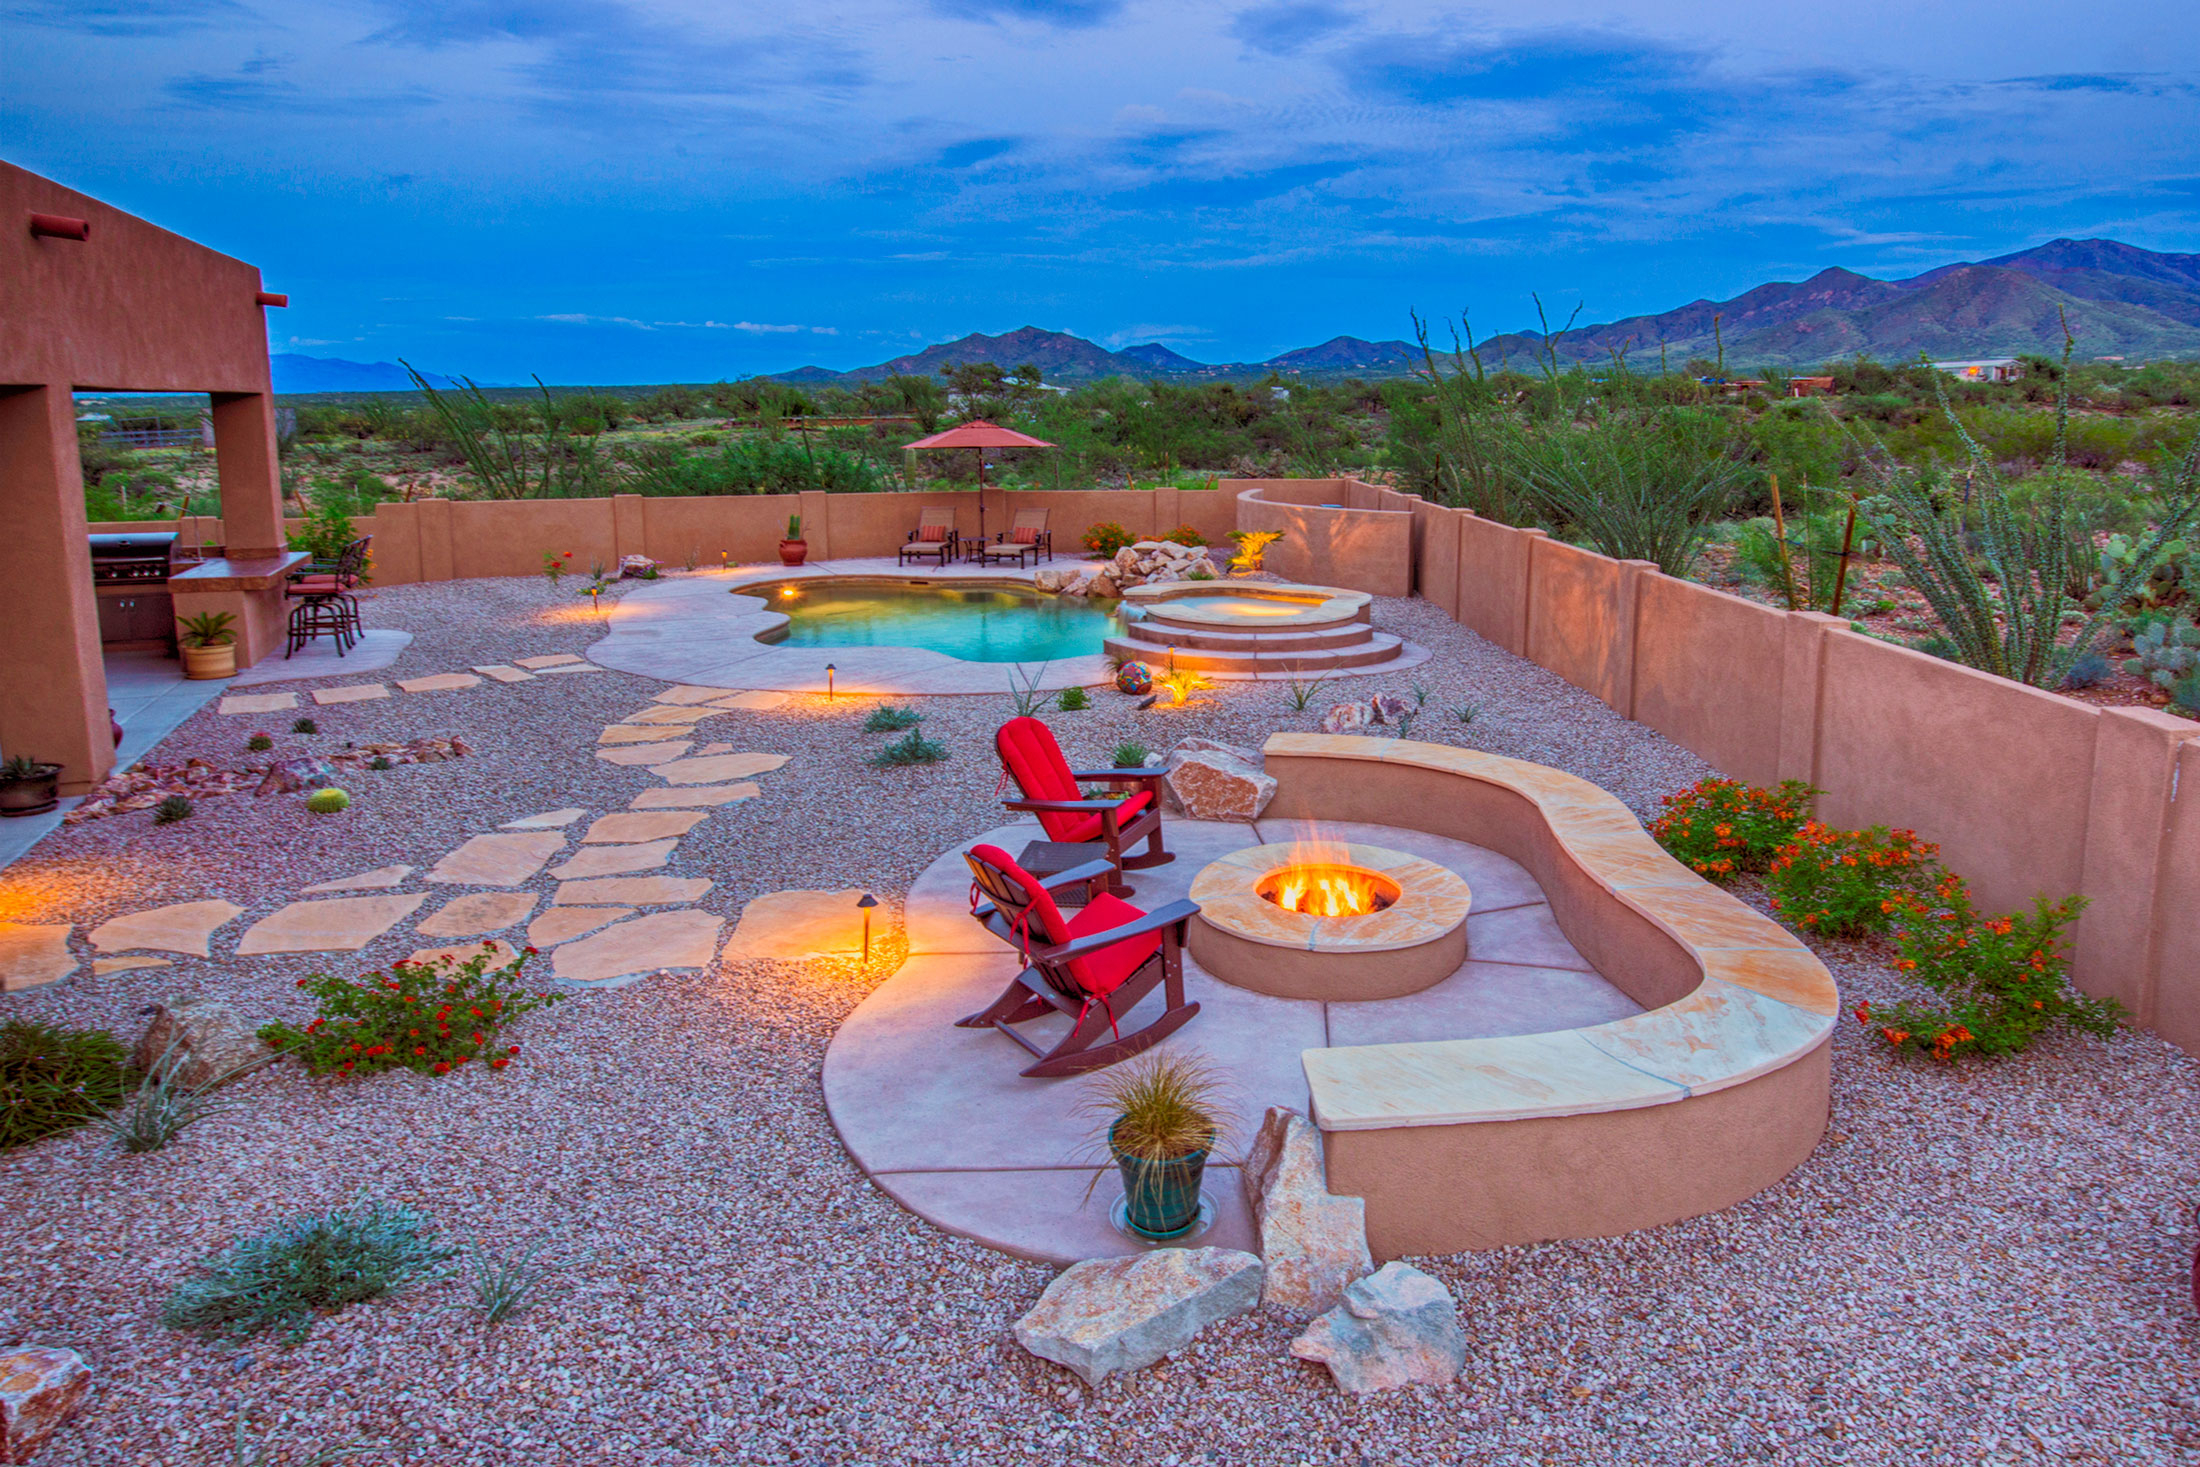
(980, 435)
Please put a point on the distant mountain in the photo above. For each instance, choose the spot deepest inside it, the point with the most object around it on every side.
(1059, 357)
(1160, 358)
(294, 373)
(1349, 354)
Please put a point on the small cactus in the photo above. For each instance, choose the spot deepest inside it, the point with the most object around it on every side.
(2165, 653)
(327, 802)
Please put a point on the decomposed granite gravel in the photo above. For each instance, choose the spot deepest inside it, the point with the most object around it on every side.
(1980, 1265)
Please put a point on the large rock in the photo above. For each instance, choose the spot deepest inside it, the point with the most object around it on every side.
(1347, 718)
(297, 774)
(1396, 1327)
(1217, 781)
(210, 1041)
(1392, 708)
(41, 1386)
(1110, 1314)
(1053, 577)
(1312, 1244)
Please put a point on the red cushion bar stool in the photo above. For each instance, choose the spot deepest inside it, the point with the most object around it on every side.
(326, 606)
(1094, 967)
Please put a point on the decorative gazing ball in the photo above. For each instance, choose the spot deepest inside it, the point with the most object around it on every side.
(327, 802)
(1134, 678)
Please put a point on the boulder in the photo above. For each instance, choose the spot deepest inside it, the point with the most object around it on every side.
(1396, 1327)
(1053, 577)
(638, 567)
(210, 1041)
(1392, 708)
(1311, 1243)
(1126, 559)
(1104, 585)
(1347, 718)
(300, 772)
(41, 1386)
(1110, 1314)
(1215, 781)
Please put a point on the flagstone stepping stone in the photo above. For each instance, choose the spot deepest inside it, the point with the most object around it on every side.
(645, 945)
(646, 753)
(259, 702)
(503, 674)
(576, 667)
(356, 693)
(104, 966)
(502, 954)
(754, 702)
(613, 860)
(561, 923)
(548, 820)
(615, 829)
(637, 891)
(379, 879)
(717, 767)
(713, 794)
(547, 659)
(667, 713)
(498, 860)
(627, 733)
(33, 954)
(709, 749)
(478, 912)
(686, 694)
(339, 925)
(439, 682)
(182, 928)
(801, 924)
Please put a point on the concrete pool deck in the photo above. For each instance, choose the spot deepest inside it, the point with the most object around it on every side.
(691, 629)
(942, 1121)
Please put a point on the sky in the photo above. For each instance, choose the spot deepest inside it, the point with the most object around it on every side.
(616, 191)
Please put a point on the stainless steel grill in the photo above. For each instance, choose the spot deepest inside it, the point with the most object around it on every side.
(121, 560)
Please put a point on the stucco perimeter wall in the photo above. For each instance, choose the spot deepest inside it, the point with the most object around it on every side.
(2027, 792)
(1336, 532)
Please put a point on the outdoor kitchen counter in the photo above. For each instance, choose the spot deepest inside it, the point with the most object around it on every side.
(262, 573)
(252, 591)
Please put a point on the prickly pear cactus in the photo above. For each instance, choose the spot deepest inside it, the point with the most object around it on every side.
(2165, 653)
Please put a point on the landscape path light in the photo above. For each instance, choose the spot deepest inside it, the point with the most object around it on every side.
(869, 901)
(828, 682)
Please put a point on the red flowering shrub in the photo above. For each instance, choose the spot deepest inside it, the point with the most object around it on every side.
(1717, 827)
(430, 1017)
(1844, 883)
(2004, 978)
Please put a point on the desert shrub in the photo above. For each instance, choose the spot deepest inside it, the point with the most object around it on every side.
(54, 1079)
(318, 1263)
(1073, 700)
(503, 1284)
(1104, 539)
(305, 726)
(755, 465)
(260, 743)
(428, 1017)
(887, 718)
(2088, 671)
(171, 809)
(1636, 486)
(914, 749)
(1844, 883)
(1185, 535)
(164, 1106)
(1131, 756)
(1718, 827)
(2003, 981)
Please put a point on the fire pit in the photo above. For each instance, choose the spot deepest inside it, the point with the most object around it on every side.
(1329, 920)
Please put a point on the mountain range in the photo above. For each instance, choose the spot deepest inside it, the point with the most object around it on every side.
(294, 373)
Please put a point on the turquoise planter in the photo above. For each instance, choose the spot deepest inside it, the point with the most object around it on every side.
(1161, 1198)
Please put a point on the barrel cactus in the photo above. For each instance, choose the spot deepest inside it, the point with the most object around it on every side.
(327, 802)
(2165, 653)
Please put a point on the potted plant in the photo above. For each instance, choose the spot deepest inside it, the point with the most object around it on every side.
(28, 787)
(794, 549)
(1163, 1118)
(209, 645)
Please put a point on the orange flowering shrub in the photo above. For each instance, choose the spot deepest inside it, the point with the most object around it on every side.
(1845, 883)
(430, 1017)
(1718, 827)
(2004, 978)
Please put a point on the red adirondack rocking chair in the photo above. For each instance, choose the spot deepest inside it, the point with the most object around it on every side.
(1034, 760)
(1094, 967)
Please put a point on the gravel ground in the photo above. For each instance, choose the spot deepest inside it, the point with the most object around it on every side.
(1978, 1265)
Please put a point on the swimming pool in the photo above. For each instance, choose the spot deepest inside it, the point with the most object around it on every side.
(996, 622)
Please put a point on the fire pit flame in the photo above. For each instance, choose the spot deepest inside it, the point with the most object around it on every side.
(1329, 891)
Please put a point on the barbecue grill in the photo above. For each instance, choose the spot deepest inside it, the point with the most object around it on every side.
(119, 560)
(130, 577)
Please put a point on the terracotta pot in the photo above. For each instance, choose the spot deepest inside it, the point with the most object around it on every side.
(33, 794)
(203, 663)
(793, 552)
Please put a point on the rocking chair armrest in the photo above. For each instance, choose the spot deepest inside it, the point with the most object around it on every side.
(1175, 914)
(1072, 807)
(1145, 774)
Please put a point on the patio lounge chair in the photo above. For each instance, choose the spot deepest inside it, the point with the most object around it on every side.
(1027, 535)
(1094, 967)
(933, 537)
(1034, 760)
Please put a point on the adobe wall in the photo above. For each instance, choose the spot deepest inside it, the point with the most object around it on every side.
(1336, 532)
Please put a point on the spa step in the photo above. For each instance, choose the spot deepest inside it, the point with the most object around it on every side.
(1212, 639)
(1379, 648)
(1162, 612)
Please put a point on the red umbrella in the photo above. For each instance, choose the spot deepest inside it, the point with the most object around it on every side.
(980, 435)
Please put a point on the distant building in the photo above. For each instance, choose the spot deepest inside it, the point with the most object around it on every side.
(1983, 369)
(1809, 386)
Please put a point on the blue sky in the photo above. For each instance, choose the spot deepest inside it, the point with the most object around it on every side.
(653, 190)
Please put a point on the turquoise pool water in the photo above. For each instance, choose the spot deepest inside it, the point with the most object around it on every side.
(974, 623)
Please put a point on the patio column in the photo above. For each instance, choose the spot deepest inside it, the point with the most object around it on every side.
(55, 708)
(246, 463)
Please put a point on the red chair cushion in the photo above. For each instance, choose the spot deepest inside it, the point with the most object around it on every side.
(1024, 535)
(931, 532)
(315, 586)
(1089, 827)
(1101, 973)
(1048, 925)
(1034, 760)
